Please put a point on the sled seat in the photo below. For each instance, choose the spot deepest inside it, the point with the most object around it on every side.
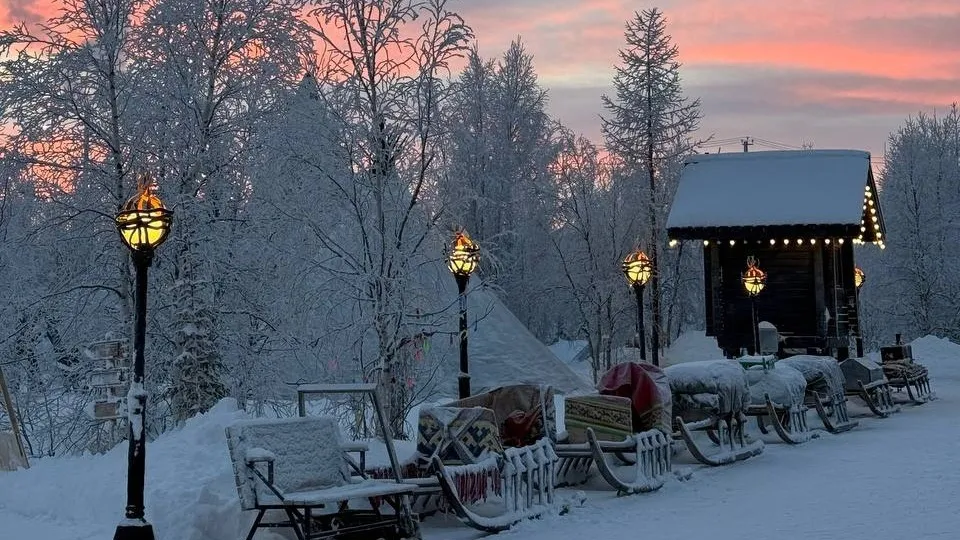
(297, 467)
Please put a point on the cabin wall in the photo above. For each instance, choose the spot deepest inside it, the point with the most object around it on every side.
(807, 295)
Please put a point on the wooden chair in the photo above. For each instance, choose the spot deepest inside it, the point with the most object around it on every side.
(296, 468)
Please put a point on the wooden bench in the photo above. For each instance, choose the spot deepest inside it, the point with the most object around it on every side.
(297, 468)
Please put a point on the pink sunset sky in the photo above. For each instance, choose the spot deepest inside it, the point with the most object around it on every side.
(834, 73)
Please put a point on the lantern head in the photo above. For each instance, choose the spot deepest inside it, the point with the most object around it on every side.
(858, 277)
(465, 255)
(753, 278)
(637, 267)
(143, 222)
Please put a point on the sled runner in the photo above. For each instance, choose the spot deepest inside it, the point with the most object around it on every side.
(777, 400)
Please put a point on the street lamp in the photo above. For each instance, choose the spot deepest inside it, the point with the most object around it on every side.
(638, 269)
(859, 278)
(462, 261)
(754, 281)
(143, 224)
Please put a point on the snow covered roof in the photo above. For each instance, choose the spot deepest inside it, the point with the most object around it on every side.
(755, 193)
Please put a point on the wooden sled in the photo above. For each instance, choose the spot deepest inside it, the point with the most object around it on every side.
(825, 390)
(527, 489)
(789, 423)
(917, 387)
(465, 460)
(600, 433)
(878, 396)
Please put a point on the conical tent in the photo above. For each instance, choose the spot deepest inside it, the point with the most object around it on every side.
(503, 351)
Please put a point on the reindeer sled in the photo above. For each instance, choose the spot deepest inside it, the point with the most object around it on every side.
(488, 459)
(906, 374)
(712, 396)
(867, 381)
(623, 430)
(777, 400)
(825, 390)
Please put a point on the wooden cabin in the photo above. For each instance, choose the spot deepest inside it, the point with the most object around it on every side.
(799, 213)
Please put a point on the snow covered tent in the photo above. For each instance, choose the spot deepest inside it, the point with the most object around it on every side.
(798, 213)
(502, 350)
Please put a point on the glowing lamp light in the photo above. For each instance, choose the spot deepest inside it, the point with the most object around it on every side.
(142, 221)
(753, 278)
(465, 255)
(674, 242)
(858, 277)
(638, 268)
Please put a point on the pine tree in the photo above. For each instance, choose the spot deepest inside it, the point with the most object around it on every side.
(649, 125)
(198, 368)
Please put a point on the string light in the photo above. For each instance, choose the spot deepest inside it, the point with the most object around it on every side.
(674, 242)
(733, 242)
(706, 242)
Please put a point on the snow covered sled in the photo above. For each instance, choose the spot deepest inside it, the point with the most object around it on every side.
(712, 396)
(295, 467)
(488, 459)
(625, 426)
(777, 399)
(825, 390)
(866, 380)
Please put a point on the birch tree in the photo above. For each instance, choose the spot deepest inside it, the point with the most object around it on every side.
(390, 58)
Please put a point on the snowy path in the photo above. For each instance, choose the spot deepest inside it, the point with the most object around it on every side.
(888, 478)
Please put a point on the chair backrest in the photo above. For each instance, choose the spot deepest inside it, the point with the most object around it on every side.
(529, 399)
(307, 455)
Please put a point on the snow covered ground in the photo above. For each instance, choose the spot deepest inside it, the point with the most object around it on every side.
(889, 478)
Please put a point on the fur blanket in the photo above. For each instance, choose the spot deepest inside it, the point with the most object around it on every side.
(784, 384)
(822, 372)
(719, 386)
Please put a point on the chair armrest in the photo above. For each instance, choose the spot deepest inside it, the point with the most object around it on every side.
(355, 446)
(260, 455)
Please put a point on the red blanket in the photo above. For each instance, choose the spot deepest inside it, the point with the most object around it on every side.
(648, 389)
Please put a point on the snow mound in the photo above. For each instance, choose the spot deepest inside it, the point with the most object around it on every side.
(190, 489)
(940, 355)
(692, 346)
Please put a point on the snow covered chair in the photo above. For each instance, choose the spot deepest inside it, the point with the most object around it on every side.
(712, 396)
(777, 398)
(296, 467)
(906, 374)
(825, 390)
(627, 424)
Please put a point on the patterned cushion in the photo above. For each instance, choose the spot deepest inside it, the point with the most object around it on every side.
(527, 398)
(609, 416)
(457, 435)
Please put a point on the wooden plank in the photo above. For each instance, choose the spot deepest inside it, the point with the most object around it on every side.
(818, 290)
(12, 414)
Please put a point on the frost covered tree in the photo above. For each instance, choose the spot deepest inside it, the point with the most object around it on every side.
(212, 73)
(386, 62)
(648, 124)
(593, 228)
(920, 199)
(501, 145)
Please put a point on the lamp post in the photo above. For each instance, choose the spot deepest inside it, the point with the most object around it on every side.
(754, 280)
(143, 224)
(638, 269)
(462, 261)
(858, 280)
